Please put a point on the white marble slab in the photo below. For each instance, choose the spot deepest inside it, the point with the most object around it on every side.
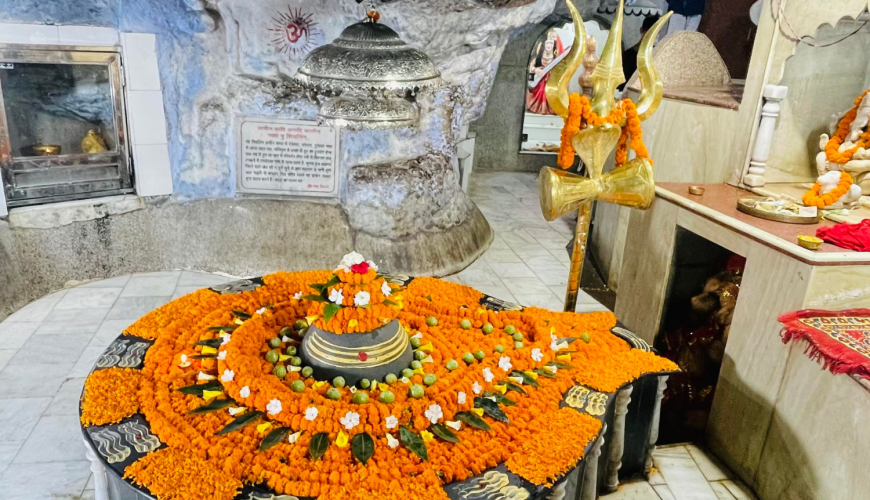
(682, 474)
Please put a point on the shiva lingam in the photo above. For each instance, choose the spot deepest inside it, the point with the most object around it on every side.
(594, 129)
(353, 332)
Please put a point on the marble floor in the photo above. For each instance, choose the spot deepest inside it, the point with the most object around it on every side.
(48, 347)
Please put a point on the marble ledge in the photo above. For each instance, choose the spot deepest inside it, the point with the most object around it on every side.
(719, 204)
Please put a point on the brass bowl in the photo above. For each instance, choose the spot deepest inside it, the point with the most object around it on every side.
(42, 150)
(809, 242)
(747, 206)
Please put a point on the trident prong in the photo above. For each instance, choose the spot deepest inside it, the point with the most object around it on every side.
(631, 185)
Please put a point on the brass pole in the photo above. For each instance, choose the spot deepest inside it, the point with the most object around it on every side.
(578, 255)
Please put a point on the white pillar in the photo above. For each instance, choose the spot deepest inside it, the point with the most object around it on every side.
(101, 481)
(773, 94)
(590, 473)
(617, 438)
(654, 426)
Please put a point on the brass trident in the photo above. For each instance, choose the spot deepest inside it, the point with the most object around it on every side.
(629, 185)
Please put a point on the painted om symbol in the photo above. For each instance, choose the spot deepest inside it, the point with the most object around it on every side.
(295, 32)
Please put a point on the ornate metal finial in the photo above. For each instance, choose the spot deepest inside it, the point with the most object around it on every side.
(631, 183)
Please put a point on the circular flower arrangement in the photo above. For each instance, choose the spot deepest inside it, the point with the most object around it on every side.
(224, 386)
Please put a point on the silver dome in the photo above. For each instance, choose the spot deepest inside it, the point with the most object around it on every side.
(367, 56)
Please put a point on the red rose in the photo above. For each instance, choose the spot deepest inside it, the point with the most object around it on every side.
(361, 268)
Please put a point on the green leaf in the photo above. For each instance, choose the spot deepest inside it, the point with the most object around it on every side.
(567, 340)
(500, 398)
(545, 373)
(214, 343)
(204, 356)
(215, 405)
(560, 365)
(318, 287)
(274, 437)
(241, 314)
(491, 408)
(319, 444)
(240, 422)
(526, 378)
(444, 432)
(363, 447)
(314, 298)
(329, 311)
(332, 281)
(512, 386)
(413, 442)
(388, 302)
(227, 329)
(197, 389)
(472, 420)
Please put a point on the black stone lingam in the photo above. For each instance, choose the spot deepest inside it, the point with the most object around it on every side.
(357, 356)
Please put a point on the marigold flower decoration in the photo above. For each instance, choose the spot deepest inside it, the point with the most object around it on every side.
(465, 352)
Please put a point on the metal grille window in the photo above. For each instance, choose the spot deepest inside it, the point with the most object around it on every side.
(62, 124)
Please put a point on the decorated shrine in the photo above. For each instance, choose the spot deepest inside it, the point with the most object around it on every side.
(434, 249)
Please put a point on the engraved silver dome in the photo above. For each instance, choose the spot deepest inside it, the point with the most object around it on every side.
(367, 56)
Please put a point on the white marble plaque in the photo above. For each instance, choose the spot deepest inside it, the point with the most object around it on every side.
(287, 157)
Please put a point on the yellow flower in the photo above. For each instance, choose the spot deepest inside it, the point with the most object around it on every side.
(318, 385)
(352, 323)
(311, 319)
(206, 395)
(262, 427)
(383, 387)
(428, 347)
(478, 411)
(341, 440)
(208, 350)
(500, 388)
(427, 436)
(564, 357)
(531, 374)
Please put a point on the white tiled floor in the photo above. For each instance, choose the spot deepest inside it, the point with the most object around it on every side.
(49, 346)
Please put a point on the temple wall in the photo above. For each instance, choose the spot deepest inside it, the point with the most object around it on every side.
(224, 59)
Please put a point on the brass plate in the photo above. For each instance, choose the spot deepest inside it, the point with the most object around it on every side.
(747, 206)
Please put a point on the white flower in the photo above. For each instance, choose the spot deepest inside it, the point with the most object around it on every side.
(292, 438)
(405, 380)
(487, 375)
(392, 422)
(517, 380)
(204, 376)
(348, 260)
(336, 296)
(297, 295)
(245, 392)
(285, 339)
(222, 355)
(476, 388)
(237, 410)
(537, 355)
(261, 310)
(227, 376)
(505, 364)
(434, 413)
(310, 413)
(352, 390)
(350, 420)
(391, 441)
(361, 298)
(460, 398)
(274, 407)
(453, 424)
(225, 339)
(554, 346)
(372, 265)
(386, 289)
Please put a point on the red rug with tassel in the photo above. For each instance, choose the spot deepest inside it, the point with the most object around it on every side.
(840, 339)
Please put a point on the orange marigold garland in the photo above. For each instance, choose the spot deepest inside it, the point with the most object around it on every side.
(554, 446)
(812, 198)
(581, 115)
(173, 474)
(238, 372)
(110, 396)
(832, 148)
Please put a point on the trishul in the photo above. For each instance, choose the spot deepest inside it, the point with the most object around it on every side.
(629, 185)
